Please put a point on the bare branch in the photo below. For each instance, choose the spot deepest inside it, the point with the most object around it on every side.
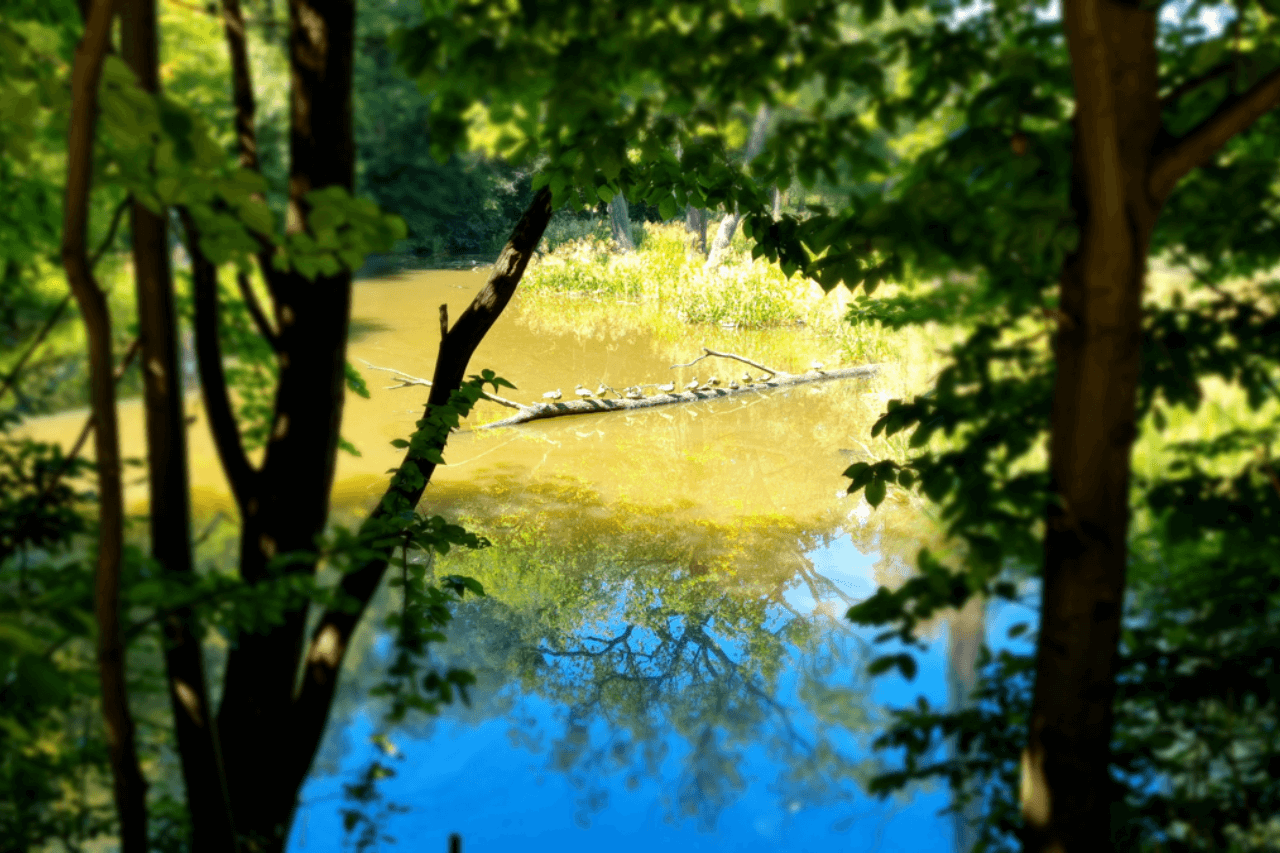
(1196, 148)
(246, 133)
(213, 383)
(255, 311)
(86, 429)
(35, 344)
(408, 381)
(111, 232)
(1194, 83)
(710, 352)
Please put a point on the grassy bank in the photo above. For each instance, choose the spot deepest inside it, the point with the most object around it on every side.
(665, 279)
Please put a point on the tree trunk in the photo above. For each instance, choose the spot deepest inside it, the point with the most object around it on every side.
(170, 507)
(695, 222)
(287, 505)
(729, 225)
(620, 223)
(1066, 787)
(1124, 167)
(964, 642)
(129, 786)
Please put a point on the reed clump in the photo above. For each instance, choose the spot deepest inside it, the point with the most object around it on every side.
(665, 275)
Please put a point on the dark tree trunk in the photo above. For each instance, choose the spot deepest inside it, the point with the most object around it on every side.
(289, 503)
(1124, 167)
(170, 507)
(620, 223)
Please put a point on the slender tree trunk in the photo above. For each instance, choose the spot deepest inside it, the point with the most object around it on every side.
(964, 642)
(777, 204)
(620, 223)
(332, 636)
(729, 225)
(129, 787)
(170, 506)
(1125, 164)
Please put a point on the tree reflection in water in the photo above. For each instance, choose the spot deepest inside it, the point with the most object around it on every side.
(679, 666)
(702, 679)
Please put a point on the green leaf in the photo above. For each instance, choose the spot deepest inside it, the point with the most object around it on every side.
(667, 208)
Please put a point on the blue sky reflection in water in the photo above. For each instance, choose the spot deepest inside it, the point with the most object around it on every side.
(522, 768)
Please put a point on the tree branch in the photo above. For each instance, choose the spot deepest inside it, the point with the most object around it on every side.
(409, 381)
(128, 784)
(1235, 115)
(706, 353)
(247, 137)
(35, 344)
(333, 634)
(213, 383)
(85, 430)
(1194, 83)
(111, 232)
(255, 311)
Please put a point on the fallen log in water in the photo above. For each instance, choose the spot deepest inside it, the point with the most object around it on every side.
(595, 405)
(592, 405)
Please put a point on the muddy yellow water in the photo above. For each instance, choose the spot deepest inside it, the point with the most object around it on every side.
(709, 482)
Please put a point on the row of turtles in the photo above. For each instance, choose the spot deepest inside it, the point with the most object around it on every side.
(636, 392)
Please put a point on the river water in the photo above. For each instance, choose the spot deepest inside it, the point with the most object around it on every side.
(661, 656)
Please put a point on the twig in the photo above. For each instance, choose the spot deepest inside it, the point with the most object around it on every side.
(84, 432)
(409, 381)
(743, 359)
(208, 531)
(1194, 83)
(111, 232)
(39, 339)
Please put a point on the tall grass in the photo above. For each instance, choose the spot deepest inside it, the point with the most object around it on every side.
(580, 261)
